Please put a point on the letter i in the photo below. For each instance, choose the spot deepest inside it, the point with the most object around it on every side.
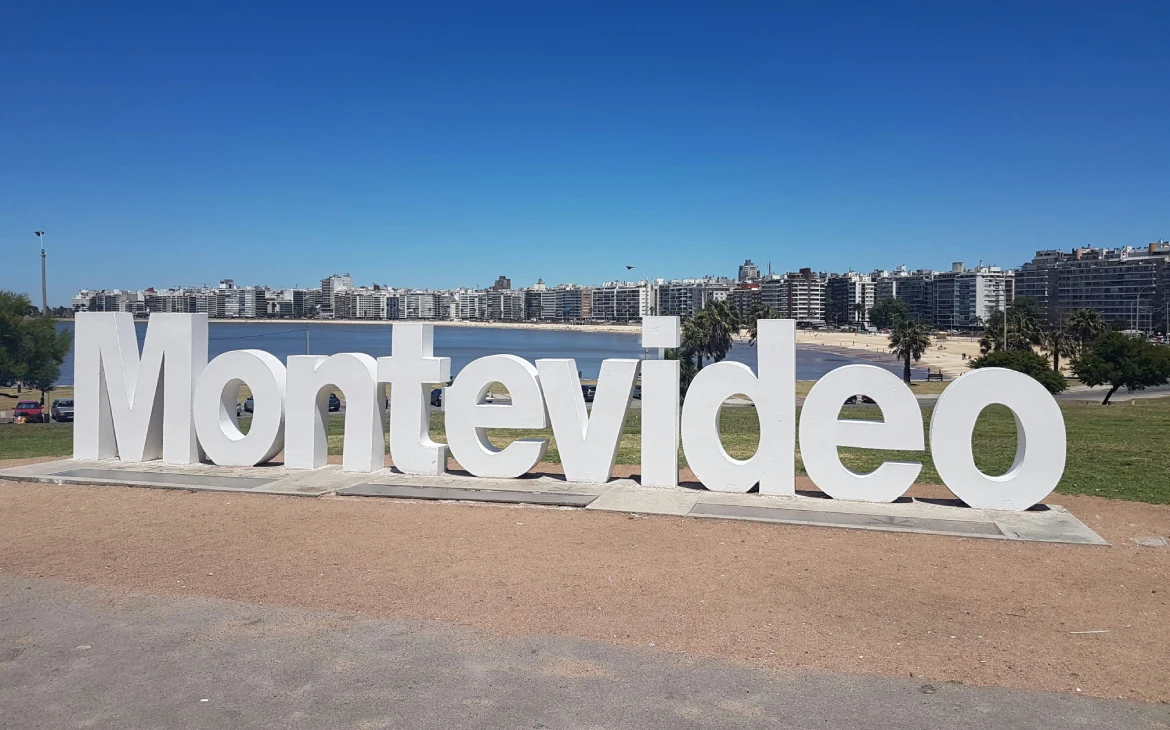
(660, 404)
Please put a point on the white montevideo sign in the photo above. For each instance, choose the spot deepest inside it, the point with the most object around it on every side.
(168, 402)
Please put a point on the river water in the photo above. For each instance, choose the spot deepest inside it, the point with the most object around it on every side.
(464, 344)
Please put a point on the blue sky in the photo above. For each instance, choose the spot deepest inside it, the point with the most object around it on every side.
(428, 144)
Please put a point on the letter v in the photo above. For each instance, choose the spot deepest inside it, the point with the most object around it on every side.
(587, 442)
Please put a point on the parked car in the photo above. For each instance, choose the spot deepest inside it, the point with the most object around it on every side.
(854, 400)
(249, 404)
(62, 410)
(334, 402)
(437, 397)
(589, 391)
(28, 411)
(638, 391)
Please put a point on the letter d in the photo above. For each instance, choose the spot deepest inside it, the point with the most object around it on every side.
(773, 465)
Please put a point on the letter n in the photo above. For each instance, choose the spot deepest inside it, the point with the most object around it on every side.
(137, 407)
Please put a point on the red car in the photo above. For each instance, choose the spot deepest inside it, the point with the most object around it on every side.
(29, 410)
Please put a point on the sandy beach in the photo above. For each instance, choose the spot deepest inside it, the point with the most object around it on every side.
(950, 355)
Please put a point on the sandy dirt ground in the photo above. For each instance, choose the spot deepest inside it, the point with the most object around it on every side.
(790, 598)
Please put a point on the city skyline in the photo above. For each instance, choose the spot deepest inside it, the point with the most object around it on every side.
(433, 145)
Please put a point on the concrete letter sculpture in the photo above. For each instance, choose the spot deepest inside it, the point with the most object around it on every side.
(1040, 439)
(137, 408)
(661, 390)
(169, 403)
(307, 411)
(821, 432)
(469, 416)
(587, 441)
(411, 371)
(774, 395)
(215, 408)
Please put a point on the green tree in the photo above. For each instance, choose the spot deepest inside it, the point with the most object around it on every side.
(31, 348)
(1028, 363)
(1018, 328)
(887, 312)
(908, 340)
(1085, 326)
(1120, 361)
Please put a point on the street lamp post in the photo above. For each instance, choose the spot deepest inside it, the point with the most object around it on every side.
(653, 306)
(1137, 300)
(650, 284)
(44, 285)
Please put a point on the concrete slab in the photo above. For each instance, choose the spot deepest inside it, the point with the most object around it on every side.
(532, 483)
(862, 521)
(162, 479)
(200, 477)
(1044, 523)
(409, 491)
(647, 500)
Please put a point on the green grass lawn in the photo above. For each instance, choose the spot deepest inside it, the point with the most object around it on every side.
(25, 440)
(1117, 452)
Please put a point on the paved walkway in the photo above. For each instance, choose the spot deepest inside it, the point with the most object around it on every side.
(1044, 523)
(74, 657)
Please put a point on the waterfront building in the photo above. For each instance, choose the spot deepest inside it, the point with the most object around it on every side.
(848, 298)
(745, 298)
(1128, 284)
(620, 302)
(798, 295)
(504, 305)
(964, 298)
(330, 285)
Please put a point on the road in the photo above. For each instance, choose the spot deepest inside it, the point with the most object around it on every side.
(73, 657)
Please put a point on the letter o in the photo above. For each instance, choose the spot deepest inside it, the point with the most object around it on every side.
(1040, 439)
(215, 408)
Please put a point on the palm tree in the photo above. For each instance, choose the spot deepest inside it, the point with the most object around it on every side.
(710, 332)
(763, 311)
(859, 309)
(686, 363)
(695, 335)
(1084, 326)
(1059, 343)
(908, 340)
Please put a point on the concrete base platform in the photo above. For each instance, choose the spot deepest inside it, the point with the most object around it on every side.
(1043, 523)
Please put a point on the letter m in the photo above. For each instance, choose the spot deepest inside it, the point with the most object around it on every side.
(137, 407)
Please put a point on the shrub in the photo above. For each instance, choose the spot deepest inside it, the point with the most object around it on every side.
(1028, 363)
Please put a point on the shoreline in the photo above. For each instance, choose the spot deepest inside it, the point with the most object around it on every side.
(950, 356)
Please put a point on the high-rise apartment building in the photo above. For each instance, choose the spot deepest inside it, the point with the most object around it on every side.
(1129, 285)
(330, 285)
(964, 298)
(848, 298)
(620, 302)
(796, 295)
(748, 272)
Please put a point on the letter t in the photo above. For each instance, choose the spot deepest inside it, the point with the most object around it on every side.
(410, 371)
